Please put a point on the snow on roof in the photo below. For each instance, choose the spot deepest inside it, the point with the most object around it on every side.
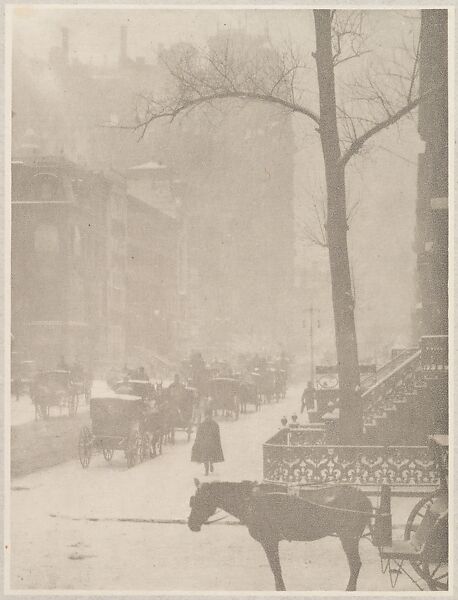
(148, 166)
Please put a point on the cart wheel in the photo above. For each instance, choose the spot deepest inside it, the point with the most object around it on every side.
(436, 574)
(134, 449)
(107, 453)
(413, 522)
(85, 447)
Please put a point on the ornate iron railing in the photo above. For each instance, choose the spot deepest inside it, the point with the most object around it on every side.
(403, 466)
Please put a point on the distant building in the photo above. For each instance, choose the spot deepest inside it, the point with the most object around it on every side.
(238, 209)
(68, 262)
(152, 262)
(94, 270)
(432, 203)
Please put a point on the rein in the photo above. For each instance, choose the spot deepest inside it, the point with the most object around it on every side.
(371, 515)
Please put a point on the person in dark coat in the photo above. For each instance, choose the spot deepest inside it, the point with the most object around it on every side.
(207, 446)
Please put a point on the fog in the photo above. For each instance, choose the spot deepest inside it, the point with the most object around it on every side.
(61, 110)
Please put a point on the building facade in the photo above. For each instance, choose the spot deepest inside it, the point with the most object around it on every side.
(64, 261)
(93, 268)
(432, 204)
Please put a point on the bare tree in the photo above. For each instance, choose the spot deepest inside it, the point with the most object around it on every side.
(231, 70)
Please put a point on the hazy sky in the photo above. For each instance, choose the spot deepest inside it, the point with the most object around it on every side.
(96, 32)
(382, 180)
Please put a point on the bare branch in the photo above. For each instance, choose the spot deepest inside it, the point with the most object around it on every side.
(390, 120)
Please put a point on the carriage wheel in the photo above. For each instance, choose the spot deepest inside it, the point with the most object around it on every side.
(85, 447)
(107, 453)
(413, 522)
(436, 574)
(134, 449)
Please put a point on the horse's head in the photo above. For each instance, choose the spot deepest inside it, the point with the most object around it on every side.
(203, 505)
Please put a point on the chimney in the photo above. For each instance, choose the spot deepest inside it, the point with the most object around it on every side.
(123, 47)
(65, 49)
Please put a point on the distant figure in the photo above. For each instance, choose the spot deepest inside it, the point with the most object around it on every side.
(294, 424)
(207, 446)
(62, 365)
(177, 393)
(77, 370)
(142, 375)
(308, 397)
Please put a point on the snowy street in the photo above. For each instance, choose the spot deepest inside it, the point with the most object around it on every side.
(54, 545)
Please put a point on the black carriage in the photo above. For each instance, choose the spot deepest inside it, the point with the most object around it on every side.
(54, 389)
(224, 394)
(136, 387)
(121, 422)
(248, 394)
(265, 384)
(422, 554)
(180, 412)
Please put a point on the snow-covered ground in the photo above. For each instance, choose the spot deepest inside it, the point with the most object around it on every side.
(54, 546)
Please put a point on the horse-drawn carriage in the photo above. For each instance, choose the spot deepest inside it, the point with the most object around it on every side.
(55, 388)
(276, 510)
(422, 554)
(136, 387)
(121, 422)
(248, 394)
(179, 404)
(224, 394)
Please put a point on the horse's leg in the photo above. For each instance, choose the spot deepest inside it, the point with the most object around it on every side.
(351, 549)
(273, 556)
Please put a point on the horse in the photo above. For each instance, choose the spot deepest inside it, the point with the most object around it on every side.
(272, 516)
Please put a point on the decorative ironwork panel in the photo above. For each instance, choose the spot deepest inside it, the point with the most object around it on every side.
(434, 355)
(357, 465)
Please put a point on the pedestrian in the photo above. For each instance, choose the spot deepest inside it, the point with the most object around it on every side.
(142, 375)
(207, 446)
(308, 398)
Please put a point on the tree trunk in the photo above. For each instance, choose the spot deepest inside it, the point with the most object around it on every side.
(351, 424)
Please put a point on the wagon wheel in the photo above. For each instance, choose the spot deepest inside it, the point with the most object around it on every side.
(436, 573)
(413, 522)
(107, 453)
(85, 447)
(134, 449)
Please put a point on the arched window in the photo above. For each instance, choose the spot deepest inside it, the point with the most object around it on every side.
(46, 238)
